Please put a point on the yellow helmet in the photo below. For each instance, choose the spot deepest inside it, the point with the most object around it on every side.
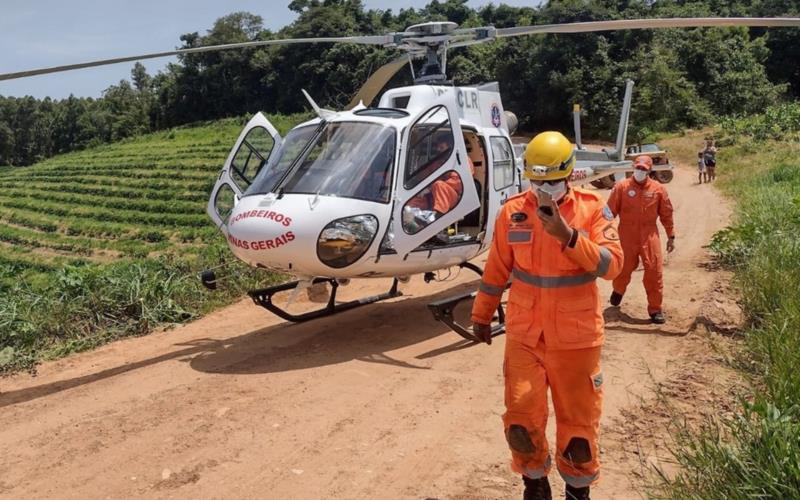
(548, 157)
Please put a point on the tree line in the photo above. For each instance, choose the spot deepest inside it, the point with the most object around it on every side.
(685, 78)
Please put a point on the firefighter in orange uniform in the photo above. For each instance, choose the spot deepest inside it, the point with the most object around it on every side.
(640, 201)
(554, 241)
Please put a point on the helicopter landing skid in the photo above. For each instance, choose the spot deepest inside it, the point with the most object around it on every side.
(263, 298)
(443, 310)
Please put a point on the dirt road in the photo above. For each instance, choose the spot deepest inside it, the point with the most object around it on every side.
(381, 402)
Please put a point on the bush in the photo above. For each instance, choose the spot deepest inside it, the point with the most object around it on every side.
(81, 307)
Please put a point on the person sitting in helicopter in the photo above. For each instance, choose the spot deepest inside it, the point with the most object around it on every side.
(443, 194)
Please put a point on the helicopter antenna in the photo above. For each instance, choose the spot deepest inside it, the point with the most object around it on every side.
(622, 133)
(325, 114)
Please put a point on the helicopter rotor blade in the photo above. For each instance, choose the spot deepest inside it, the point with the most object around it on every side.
(412, 42)
(364, 40)
(634, 24)
(377, 81)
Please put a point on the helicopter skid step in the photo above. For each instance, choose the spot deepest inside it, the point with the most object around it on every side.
(443, 311)
(263, 298)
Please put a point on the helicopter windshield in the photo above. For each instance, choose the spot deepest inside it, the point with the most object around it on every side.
(347, 159)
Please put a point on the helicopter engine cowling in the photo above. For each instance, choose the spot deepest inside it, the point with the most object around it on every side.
(513, 122)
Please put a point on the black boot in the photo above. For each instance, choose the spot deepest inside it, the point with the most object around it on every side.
(577, 493)
(658, 318)
(537, 489)
(616, 299)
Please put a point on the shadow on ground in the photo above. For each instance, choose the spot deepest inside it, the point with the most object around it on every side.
(366, 334)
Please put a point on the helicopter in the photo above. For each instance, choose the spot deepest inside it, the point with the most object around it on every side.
(408, 186)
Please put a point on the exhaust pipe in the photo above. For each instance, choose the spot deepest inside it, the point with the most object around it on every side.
(576, 120)
(622, 132)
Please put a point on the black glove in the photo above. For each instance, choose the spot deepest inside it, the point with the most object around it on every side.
(482, 332)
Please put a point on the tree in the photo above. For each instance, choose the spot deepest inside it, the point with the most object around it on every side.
(6, 144)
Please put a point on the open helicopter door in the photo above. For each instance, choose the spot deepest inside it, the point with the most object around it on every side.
(249, 155)
(435, 186)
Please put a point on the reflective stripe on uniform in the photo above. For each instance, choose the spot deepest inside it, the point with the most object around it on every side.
(605, 261)
(553, 281)
(579, 481)
(539, 472)
(519, 236)
(491, 289)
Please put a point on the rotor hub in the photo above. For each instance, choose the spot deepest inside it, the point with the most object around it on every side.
(432, 28)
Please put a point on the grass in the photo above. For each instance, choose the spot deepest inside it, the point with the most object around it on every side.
(107, 242)
(756, 454)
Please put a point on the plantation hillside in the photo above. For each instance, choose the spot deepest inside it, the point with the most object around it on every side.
(107, 241)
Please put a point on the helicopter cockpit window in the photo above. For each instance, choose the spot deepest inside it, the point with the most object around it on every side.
(431, 144)
(251, 156)
(349, 160)
(502, 162)
(438, 198)
(224, 201)
(290, 149)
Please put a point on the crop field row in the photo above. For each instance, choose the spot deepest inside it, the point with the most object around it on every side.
(85, 226)
(107, 202)
(199, 164)
(110, 192)
(154, 171)
(81, 245)
(133, 217)
(143, 174)
(118, 182)
(14, 258)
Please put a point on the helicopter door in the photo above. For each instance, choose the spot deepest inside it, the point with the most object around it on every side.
(435, 187)
(249, 155)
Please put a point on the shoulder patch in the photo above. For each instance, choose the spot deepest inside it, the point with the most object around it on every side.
(607, 214)
(610, 233)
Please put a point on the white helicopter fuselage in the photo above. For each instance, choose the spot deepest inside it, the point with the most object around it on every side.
(285, 224)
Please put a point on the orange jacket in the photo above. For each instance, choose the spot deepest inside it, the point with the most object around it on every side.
(639, 206)
(553, 291)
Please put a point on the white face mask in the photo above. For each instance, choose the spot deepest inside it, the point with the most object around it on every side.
(639, 175)
(556, 192)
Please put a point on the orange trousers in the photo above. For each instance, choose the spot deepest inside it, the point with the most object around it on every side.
(576, 385)
(647, 248)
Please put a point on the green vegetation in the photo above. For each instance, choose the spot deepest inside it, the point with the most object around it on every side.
(108, 242)
(685, 77)
(756, 454)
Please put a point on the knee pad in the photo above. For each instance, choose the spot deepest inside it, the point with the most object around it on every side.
(578, 451)
(518, 439)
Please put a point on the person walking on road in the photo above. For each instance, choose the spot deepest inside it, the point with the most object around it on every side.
(554, 241)
(710, 160)
(701, 168)
(640, 201)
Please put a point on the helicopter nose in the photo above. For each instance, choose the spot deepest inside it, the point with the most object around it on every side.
(252, 228)
(303, 234)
